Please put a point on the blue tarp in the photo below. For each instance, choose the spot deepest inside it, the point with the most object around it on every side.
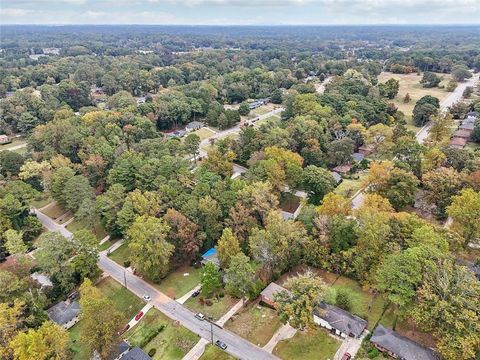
(210, 252)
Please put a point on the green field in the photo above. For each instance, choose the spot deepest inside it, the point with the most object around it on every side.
(308, 345)
(216, 310)
(171, 341)
(214, 353)
(177, 283)
(120, 255)
(255, 323)
(98, 230)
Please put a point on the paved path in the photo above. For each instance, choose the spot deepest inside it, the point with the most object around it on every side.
(285, 332)
(197, 350)
(230, 313)
(350, 345)
(134, 322)
(16, 147)
(237, 346)
(114, 247)
(188, 294)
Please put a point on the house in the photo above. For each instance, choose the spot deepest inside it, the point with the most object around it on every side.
(136, 354)
(336, 176)
(42, 279)
(398, 346)
(342, 169)
(65, 313)
(177, 133)
(366, 150)
(458, 142)
(358, 157)
(194, 125)
(210, 256)
(119, 351)
(267, 295)
(462, 133)
(339, 321)
(4, 139)
(258, 103)
(467, 126)
(141, 100)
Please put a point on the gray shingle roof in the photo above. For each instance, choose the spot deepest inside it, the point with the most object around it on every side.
(136, 354)
(63, 312)
(340, 319)
(271, 290)
(403, 347)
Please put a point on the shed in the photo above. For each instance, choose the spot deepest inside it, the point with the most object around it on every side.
(210, 255)
(65, 313)
(336, 176)
(267, 295)
(396, 345)
(339, 321)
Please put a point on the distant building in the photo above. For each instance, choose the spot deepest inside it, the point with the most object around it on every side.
(339, 321)
(141, 99)
(4, 139)
(366, 150)
(42, 279)
(65, 313)
(398, 346)
(267, 295)
(210, 256)
(194, 125)
(258, 103)
(51, 51)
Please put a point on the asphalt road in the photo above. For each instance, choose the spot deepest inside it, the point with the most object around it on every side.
(237, 346)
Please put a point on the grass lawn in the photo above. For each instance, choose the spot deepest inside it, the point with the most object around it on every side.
(262, 109)
(289, 202)
(177, 283)
(120, 255)
(15, 142)
(41, 201)
(171, 341)
(410, 83)
(123, 300)
(203, 133)
(308, 345)
(212, 352)
(98, 230)
(255, 323)
(57, 213)
(216, 310)
(271, 119)
(348, 187)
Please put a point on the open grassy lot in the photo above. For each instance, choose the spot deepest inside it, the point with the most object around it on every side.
(171, 341)
(262, 110)
(274, 119)
(255, 323)
(308, 345)
(410, 83)
(97, 230)
(179, 282)
(15, 142)
(42, 200)
(348, 187)
(203, 133)
(54, 211)
(120, 255)
(123, 300)
(216, 310)
(214, 353)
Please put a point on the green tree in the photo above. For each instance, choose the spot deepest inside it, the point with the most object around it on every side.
(296, 306)
(240, 276)
(430, 80)
(100, 320)
(47, 342)
(192, 145)
(465, 212)
(14, 242)
(460, 73)
(318, 182)
(227, 247)
(244, 109)
(440, 185)
(150, 251)
(211, 279)
(86, 247)
(77, 189)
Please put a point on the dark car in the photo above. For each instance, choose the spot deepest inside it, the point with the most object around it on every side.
(221, 344)
(346, 356)
(196, 293)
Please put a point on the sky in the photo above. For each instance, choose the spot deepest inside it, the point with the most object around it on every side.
(240, 12)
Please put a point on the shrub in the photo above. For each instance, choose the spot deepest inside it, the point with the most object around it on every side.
(127, 263)
(373, 353)
(208, 302)
(221, 294)
(152, 352)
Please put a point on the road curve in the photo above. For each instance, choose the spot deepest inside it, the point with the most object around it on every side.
(237, 346)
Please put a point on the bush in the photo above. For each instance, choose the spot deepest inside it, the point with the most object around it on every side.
(373, 353)
(127, 263)
(148, 334)
(221, 294)
(208, 302)
(152, 352)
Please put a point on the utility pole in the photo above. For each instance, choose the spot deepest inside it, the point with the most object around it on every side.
(125, 279)
(211, 331)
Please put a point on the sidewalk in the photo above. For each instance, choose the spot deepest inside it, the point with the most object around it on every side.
(197, 350)
(188, 294)
(230, 313)
(114, 247)
(285, 332)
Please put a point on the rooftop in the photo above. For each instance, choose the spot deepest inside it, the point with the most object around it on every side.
(340, 319)
(136, 354)
(64, 312)
(211, 256)
(403, 347)
(271, 290)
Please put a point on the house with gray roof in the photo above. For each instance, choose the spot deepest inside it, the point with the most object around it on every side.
(267, 295)
(136, 354)
(398, 346)
(338, 321)
(194, 125)
(65, 313)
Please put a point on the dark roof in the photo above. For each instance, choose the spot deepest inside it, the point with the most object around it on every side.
(136, 354)
(63, 312)
(401, 346)
(271, 290)
(358, 157)
(119, 349)
(336, 176)
(340, 319)
(467, 125)
(194, 124)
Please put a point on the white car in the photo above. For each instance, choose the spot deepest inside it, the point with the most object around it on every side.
(147, 298)
(200, 316)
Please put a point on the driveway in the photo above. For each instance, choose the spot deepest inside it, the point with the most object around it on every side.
(237, 346)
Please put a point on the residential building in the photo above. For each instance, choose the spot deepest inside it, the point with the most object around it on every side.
(210, 256)
(400, 347)
(194, 125)
(65, 313)
(136, 354)
(267, 295)
(339, 321)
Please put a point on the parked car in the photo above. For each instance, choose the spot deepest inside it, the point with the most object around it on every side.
(346, 356)
(200, 316)
(221, 344)
(139, 316)
(196, 293)
(147, 298)
(124, 329)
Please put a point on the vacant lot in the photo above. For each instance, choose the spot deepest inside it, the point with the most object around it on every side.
(203, 133)
(123, 300)
(255, 323)
(218, 308)
(171, 341)
(97, 230)
(57, 213)
(120, 255)
(348, 187)
(214, 353)
(179, 282)
(410, 83)
(274, 119)
(14, 143)
(262, 110)
(308, 345)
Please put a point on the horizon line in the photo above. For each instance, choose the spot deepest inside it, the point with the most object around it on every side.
(243, 25)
